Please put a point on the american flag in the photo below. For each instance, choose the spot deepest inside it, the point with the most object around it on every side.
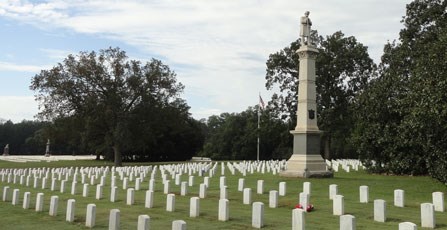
(261, 102)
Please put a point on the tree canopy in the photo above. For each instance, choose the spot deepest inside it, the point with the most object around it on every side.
(110, 99)
(402, 126)
(233, 136)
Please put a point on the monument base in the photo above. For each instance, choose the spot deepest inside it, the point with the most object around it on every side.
(306, 166)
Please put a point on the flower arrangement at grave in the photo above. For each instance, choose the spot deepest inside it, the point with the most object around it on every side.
(309, 207)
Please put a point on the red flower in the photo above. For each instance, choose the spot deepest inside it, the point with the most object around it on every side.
(309, 208)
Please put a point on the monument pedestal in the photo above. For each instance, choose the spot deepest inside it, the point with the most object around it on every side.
(306, 160)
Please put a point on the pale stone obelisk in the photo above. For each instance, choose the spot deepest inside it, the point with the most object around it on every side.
(306, 160)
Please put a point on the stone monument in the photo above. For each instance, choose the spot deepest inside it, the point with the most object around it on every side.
(6, 150)
(47, 149)
(306, 160)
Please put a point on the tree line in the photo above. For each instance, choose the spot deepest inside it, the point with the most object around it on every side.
(392, 115)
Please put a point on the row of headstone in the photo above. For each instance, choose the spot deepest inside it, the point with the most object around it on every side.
(347, 222)
(90, 219)
(427, 209)
(346, 164)
(91, 175)
(260, 188)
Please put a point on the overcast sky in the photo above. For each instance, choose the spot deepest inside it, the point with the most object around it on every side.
(217, 48)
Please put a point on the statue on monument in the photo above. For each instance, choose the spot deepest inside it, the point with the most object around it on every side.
(306, 23)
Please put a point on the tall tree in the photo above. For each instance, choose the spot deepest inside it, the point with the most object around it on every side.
(411, 95)
(343, 71)
(234, 136)
(103, 88)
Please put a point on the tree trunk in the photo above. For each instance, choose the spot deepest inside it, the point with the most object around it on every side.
(117, 154)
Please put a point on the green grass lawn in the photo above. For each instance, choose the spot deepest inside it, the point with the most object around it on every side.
(417, 190)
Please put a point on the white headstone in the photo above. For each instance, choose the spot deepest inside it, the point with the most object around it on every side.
(39, 202)
(338, 208)
(379, 210)
(224, 210)
(113, 181)
(85, 190)
(282, 188)
(438, 201)
(5, 193)
(166, 187)
(177, 179)
(137, 184)
(364, 194)
(113, 193)
(304, 200)
(202, 190)
(15, 196)
(103, 180)
(28, 178)
(333, 190)
(70, 214)
(257, 219)
(73, 188)
(170, 202)
(222, 181)
(399, 198)
(53, 205)
(143, 222)
(90, 216)
(247, 196)
(125, 183)
(26, 200)
(130, 200)
(53, 184)
(114, 219)
(183, 188)
(149, 201)
(194, 207)
(298, 219)
(206, 181)
(152, 184)
(240, 184)
(407, 226)
(92, 180)
(347, 222)
(36, 182)
(428, 215)
(44, 183)
(260, 187)
(223, 192)
(191, 181)
(307, 187)
(273, 199)
(63, 183)
(178, 225)
(99, 188)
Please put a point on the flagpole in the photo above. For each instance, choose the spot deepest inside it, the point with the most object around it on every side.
(259, 118)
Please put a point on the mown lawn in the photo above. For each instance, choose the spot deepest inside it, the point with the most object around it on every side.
(417, 190)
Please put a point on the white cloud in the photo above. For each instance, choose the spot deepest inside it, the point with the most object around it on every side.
(18, 108)
(220, 47)
(7, 66)
(57, 54)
